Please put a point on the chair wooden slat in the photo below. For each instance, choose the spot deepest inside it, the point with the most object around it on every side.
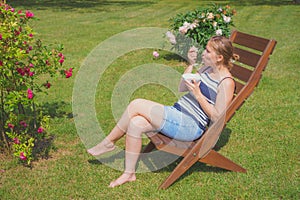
(250, 41)
(240, 72)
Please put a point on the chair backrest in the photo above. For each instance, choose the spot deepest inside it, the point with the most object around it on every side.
(254, 54)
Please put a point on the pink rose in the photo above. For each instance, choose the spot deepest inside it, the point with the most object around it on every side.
(29, 14)
(40, 130)
(155, 54)
(62, 58)
(10, 125)
(0, 37)
(30, 35)
(68, 73)
(16, 141)
(27, 69)
(29, 94)
(47, 85)
(21, 71)
(22, 156)
(17, 33)
(171, 37)
(23, 123)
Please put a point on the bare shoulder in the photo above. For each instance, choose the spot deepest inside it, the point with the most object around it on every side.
(227, 82)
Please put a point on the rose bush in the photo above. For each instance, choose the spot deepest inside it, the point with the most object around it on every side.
(25, 64)
(196, 27)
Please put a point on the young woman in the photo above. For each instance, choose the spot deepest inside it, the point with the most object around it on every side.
(187, 119)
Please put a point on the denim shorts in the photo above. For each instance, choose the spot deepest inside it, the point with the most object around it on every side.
(179, 126)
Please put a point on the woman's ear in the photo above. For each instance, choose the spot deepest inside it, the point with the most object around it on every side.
(220, 58)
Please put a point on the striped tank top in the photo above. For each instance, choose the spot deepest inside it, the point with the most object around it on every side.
(189, 105)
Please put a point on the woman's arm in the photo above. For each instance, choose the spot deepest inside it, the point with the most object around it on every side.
(224, 97)
(182, 86)
(192, 59)
(189, 69)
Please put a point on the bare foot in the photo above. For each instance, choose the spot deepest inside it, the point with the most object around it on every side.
(101, 148)
(124, 178)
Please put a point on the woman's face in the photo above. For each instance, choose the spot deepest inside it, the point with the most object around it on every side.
(209, 56)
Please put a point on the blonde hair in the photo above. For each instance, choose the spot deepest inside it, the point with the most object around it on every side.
(223, 46)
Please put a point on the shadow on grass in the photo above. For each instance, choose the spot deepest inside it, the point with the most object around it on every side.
(173, 56)
(103, 4)
(55, 109)
(256, 2)
(77, 4)
(153, 161)
(43, 146)
(262, 2)
(198, 166)
(109, 159)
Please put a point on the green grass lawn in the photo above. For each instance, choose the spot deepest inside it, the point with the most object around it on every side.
(262, 136)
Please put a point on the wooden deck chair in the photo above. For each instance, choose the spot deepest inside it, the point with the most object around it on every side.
(254, 54)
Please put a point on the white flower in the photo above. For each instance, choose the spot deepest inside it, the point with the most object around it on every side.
(226, 19)
(193, 25)
(214, 24)
(183, 30)
(220, 9)
(210, 15)
(186, 24)
(219, 32)
(171, 37)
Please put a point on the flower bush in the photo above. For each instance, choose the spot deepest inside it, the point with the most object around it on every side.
(25, 64)
(196, 27)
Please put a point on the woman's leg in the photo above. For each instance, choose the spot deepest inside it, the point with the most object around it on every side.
(153, 112)
(137, 126)
(107, 144)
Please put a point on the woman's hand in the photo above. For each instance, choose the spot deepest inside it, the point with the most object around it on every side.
(193, 87)
(192, 55)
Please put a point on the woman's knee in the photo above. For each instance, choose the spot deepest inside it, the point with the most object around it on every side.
(138, 125)
(136, 103)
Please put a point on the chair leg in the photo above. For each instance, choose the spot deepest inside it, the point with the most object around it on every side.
(215, 159)
(150, 146)
(212, 158)
(181, 168)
